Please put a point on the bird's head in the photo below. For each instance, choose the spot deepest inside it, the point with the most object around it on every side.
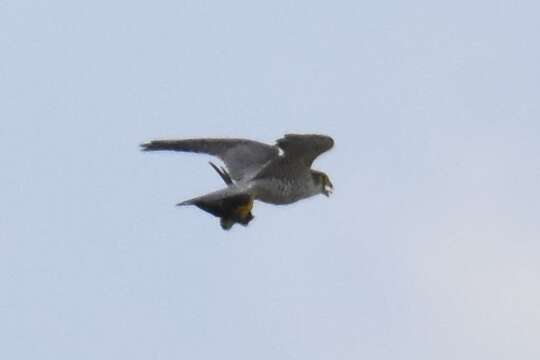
(322, 182)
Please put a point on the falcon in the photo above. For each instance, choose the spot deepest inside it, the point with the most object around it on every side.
(278, 174)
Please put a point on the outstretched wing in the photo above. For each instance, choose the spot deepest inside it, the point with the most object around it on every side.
(231, 205)
(306, 148)
(243, 158)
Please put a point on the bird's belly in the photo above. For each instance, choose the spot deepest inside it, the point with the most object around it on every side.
(279, 193)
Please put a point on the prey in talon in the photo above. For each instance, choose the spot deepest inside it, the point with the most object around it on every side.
(278, 174)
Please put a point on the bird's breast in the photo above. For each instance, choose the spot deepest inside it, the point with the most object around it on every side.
(281, 191)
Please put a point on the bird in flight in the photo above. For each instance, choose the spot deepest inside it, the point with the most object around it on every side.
(277, 174)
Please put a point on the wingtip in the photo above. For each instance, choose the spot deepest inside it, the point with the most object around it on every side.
(144, 146)
(222, 173)
(184, 203)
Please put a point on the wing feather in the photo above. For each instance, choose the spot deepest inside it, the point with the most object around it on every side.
(305, 147)
(242, 157)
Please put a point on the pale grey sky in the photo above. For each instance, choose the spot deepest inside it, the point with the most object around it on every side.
(429, 248)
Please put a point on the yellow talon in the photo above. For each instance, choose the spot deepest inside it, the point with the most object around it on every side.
(244, 209)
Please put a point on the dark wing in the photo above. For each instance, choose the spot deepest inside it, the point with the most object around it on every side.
(222, 173)
(306, 148)
(243, 158)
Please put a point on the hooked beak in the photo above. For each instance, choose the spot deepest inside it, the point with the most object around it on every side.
(328, 188)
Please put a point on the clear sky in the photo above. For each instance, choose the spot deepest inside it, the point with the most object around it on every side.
(429, 248)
